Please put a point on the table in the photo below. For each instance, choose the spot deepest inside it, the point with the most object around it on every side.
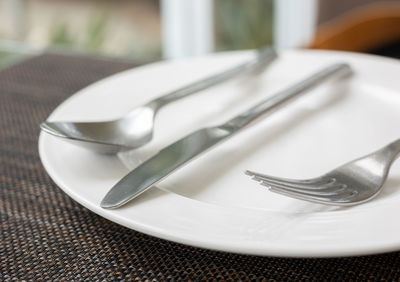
(45, 235)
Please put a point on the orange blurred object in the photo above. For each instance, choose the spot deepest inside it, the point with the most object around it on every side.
(362, 29)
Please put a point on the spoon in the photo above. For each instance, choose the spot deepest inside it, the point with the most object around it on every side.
(135, 129)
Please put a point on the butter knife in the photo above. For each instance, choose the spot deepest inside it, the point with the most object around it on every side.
(187, 148)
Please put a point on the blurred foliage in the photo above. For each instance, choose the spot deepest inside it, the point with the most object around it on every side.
(94, 35)
(96, 32)
(3, 59)
(3, 55)
(8, 58)
(240, 24)
(243, 24)
(60, 35)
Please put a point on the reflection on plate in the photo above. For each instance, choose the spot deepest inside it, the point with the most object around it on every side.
(210, 203)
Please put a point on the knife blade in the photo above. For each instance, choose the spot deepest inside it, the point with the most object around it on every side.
(187, 148)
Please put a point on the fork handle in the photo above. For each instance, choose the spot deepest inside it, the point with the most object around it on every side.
(389, 152)
(263, 58)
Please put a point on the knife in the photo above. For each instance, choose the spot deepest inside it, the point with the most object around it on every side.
(187, 148)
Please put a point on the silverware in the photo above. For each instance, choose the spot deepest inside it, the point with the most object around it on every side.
(350, 184)
(182, 151)
(136, 128)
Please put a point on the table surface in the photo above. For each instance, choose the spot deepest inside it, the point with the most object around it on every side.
(45, 235)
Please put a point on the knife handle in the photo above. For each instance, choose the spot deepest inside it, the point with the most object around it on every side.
(280, 98)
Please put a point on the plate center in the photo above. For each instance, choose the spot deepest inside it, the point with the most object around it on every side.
(317, 133)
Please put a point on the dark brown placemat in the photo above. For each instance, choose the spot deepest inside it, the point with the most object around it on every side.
(44, 235)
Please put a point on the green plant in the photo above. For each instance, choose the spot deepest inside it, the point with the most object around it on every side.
(243, 24)
(94, 35)
(60, 35)
(96, 32)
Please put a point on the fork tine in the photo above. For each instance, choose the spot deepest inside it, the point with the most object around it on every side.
(339, 195)
(317, 187)
(311, 184)
(298, 196)
(339, 201)
(331, 191)
(278, 179)
(314, 199)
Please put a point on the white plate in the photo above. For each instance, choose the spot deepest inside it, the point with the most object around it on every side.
(210, 203)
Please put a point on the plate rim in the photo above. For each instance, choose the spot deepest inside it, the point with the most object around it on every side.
(241, 249)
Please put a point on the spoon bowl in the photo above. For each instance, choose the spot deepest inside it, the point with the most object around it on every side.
(108, 137)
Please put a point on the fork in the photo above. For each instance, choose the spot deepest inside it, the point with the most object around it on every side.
(350, 184)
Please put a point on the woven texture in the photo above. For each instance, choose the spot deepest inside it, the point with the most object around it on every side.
(44, 235)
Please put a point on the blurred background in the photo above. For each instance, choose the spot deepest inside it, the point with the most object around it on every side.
(149, 30)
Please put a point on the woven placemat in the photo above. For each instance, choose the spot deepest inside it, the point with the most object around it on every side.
(45, 235)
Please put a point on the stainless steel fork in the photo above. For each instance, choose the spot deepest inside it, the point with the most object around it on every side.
(350, 184)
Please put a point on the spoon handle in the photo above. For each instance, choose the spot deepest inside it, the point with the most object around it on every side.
(263, 58)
